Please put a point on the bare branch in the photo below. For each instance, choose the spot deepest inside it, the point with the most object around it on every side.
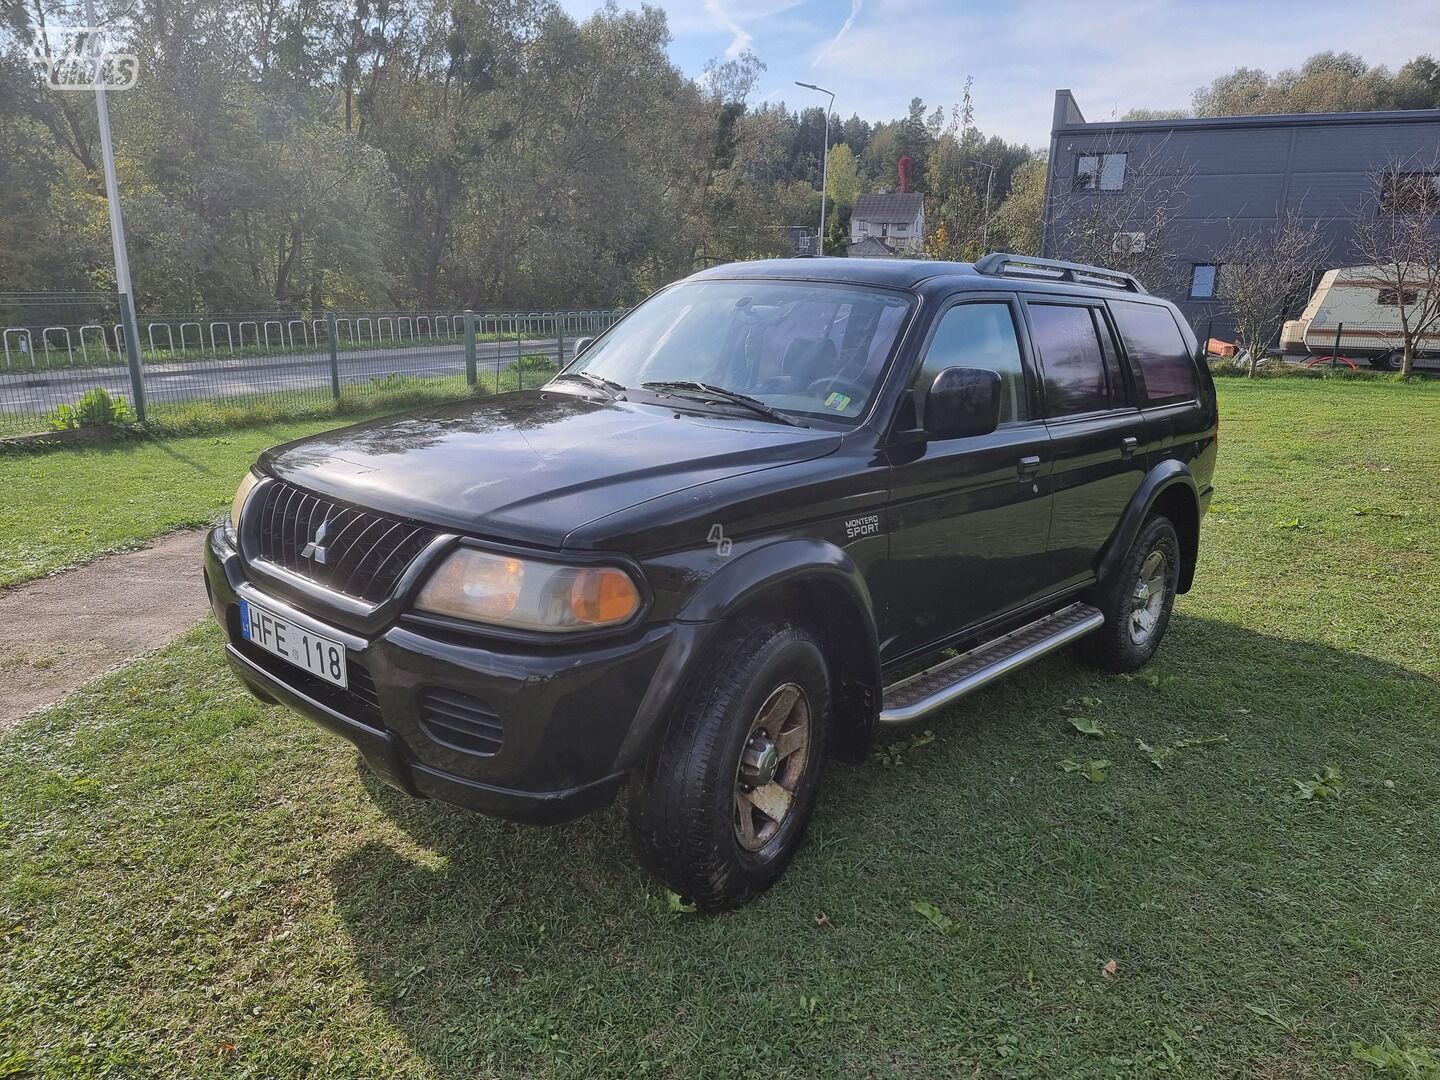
(1265, 274)
(1397, 233)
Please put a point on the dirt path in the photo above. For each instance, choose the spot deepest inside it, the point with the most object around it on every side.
(61, 631)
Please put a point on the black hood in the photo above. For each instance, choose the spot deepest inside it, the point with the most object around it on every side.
(535, 465)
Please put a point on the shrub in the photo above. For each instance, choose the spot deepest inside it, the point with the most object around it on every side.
(534, 362)
(96, 408)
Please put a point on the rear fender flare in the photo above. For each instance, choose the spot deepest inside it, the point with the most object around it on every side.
(1167, 475)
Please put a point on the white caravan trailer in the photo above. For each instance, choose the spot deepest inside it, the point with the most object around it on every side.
(1354, 302)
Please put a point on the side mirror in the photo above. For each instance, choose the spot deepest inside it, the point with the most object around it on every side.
(962, 401)
(581, 344)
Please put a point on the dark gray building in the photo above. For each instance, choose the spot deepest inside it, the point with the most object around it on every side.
(1242, 172)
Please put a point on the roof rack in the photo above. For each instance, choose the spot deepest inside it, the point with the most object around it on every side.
(1003, 264)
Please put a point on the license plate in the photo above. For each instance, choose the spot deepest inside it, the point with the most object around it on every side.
(318, 655)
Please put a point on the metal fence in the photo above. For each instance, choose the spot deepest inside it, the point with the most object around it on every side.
(53, 350)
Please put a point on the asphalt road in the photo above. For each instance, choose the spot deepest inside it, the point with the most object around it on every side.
(25, 391)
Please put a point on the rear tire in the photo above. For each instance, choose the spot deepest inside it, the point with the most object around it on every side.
(1389, 361)
(720, 804)
(1137, 600)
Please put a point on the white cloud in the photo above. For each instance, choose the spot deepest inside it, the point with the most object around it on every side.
(1115, 56)
(740, 37)
(825, 49)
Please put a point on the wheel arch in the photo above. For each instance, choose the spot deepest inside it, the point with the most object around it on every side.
(1170, 489)
(817, 584)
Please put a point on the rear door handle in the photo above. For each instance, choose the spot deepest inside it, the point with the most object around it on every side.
(1028, 466)
(1129, 445)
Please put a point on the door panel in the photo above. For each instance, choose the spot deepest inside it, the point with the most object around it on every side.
(1094, 481)
(1101, 446)
(970, 517)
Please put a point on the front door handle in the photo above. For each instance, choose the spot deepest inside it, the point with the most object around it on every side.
(1129, 445)
(1028, 466)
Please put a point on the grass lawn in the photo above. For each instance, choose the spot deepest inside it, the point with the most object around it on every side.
(192, 884)
(62, 507)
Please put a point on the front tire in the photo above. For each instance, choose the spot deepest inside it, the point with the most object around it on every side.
(1393, 360)
(720, 804)
(1137, 601)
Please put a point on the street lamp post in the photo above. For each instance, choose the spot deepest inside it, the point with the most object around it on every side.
(989, 181)
(824, 162)
(117, 222)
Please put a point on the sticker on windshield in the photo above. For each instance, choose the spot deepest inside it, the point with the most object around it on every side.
(837, 401)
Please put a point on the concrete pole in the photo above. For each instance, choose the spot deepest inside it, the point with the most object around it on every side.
(824, 163)
(117, 222)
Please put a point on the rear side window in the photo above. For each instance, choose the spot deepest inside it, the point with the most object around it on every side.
(1070, 354)
(1157, 348)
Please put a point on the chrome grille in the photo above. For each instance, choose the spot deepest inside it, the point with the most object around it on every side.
(362, 553)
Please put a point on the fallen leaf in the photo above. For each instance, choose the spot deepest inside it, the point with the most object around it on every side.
(1109, 968)
(933, 915)
(1086, 726)
(822, 919)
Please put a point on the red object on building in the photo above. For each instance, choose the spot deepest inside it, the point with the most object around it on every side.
(904, 166)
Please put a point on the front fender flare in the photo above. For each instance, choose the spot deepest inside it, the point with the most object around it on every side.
(831, 582)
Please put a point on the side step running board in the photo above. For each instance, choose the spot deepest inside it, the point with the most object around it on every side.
(914, 697)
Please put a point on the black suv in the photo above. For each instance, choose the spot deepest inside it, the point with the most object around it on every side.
(700, 558)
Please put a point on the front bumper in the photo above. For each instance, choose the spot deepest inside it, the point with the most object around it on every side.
(571, 719)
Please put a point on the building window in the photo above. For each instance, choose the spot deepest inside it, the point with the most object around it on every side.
(1100, 172)
(1393, 297)
(1410, 192)
(1202, 281)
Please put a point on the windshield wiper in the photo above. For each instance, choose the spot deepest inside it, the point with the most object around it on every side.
(612, 389)
(692, 388)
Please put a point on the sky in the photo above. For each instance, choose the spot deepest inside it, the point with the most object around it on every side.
(1117, 55)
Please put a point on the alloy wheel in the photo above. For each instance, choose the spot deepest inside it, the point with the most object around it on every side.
(772, 765)
(1148, 600)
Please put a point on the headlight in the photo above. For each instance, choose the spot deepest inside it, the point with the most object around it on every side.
(237, 504)
(527, 594)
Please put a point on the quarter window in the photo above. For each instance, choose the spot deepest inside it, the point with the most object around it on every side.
(1396, 297)
(1158, 350)
(980, 335)
(1070, 354)
(1100, 172)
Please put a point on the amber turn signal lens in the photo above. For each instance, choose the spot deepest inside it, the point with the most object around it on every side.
(603, 595)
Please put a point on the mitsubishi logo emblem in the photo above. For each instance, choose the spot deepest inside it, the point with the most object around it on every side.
(315, 550)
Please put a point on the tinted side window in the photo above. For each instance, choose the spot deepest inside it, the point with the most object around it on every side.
(980, 335)
(1074, 366)
(1157, 347)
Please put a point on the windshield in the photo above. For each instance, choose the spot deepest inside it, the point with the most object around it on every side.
(811, 350)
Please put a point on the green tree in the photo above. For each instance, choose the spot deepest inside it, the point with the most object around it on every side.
(1016, 225)
(842, 177)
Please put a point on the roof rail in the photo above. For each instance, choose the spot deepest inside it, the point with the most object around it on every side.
(1003, 264)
